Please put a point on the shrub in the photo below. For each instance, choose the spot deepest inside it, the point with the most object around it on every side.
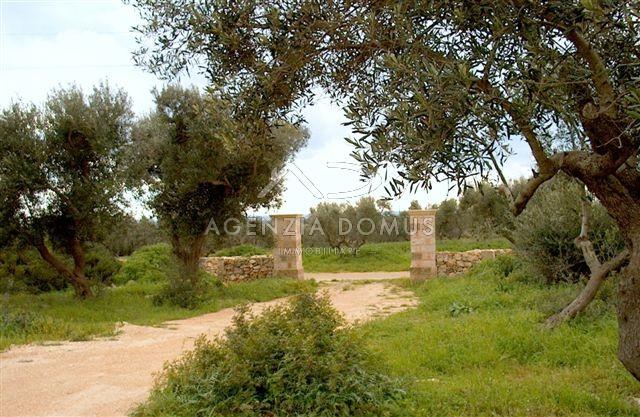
(24, 269)
(156, 263)
(184, 293)
(458, 308)
(241, 250)
(101, 265)
(545, 232)
(147, 264)
(295, 359)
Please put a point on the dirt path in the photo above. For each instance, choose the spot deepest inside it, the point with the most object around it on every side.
(355, 276)
(108, 377)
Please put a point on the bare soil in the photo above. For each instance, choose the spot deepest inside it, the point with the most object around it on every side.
(355, 276)
(106, 377)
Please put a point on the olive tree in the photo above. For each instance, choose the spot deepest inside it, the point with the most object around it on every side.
(415, 205)
(62, 174)
(204, 168)
(440, 89)
(346, 225)
(328, 215)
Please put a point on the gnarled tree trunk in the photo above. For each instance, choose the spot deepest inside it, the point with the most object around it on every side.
(76, 277)
(189, 255)
(629, 312)
(620, 196)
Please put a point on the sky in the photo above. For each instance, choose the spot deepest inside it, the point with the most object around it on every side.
(46, 44)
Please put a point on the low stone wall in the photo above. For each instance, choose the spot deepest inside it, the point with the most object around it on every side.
(239, 268)
(453, 263)
(247, 268)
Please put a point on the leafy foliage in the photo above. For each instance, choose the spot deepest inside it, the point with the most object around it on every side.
(482, 211)
(127, 235)
(345, 225)
(458, 308)
(101, 265)
(426, 84)
(450, 221)
(24, 270)
(545, 233)
(186, 294)
(294, 359)
(62, 173)
(147, 264)
(204, 165)
(415, 205)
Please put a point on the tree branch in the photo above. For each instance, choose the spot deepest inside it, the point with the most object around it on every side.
(578, 164)
(590, 290)
(599, 272)
(582, 241)
(599, 74)
(524, 125)
(554, 164)
(505, 184)
(52, 260)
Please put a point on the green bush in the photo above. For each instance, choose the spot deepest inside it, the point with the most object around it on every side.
(24, 270)
(293, 360)
(241, 250)
(458, 308)
(101, 265)
(545, 232)
(147, 264)
(183, 293)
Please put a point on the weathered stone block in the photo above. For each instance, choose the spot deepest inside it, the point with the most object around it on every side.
(288, 245)
(422, 224)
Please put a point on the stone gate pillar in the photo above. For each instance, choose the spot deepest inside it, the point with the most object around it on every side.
(422, 230)
(287, 254)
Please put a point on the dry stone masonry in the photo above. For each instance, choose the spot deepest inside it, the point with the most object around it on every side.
(454, 263)
(423, 244)
(287, 254)
(239, 268)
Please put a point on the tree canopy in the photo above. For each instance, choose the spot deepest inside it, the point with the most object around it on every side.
(439, 89)
(62, 173)
(434, 87)
(203, 165)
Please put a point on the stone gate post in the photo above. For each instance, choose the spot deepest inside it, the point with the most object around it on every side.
(287, 254)
(422, 230)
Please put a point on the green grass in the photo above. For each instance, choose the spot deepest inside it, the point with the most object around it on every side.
(476, 346)
(391, 256)
(55, 316)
